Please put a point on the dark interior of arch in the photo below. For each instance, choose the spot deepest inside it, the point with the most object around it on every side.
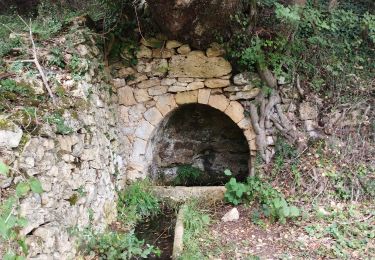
(195, 144)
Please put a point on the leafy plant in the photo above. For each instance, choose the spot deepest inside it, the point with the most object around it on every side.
(273, 203)
(187, 175)
(196, 222)
(59, 122)
(136, 202)
(10, 220)
(113, 245)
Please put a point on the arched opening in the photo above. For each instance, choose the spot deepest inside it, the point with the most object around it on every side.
(195, 144)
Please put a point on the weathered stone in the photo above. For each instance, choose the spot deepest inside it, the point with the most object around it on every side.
(144, 130)
(187, 97)
(203, 96)
(144, 52)
(197, 53)
(235, 111)
(184, 49)
(219, 102)
(139, 148)
(239, 88)
(149, 83)
(215, 50)
(162, 53)
(125, 72)
(137, 78)
(241, 78)
(152, 42)
(196, 66)
(165, 103)
(231, 215)
(245, 94)
(141, 95)
(185, 80)
(216, 83)
(158, 67)
(118, 83)
(82, 50)
(10, 134)
(307, 111)
(250, 134)
(126, 96)
(195, 85)
(168, 81)
(157, 91)
(175, 89)
(245, 123)
(153, 116)
(173, 44)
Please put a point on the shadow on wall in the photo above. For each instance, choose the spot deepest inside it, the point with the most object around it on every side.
(195, 144)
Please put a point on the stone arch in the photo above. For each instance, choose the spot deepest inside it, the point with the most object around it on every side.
(168, 78)
(143, 148)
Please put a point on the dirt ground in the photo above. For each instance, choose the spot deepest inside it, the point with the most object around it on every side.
(309, 237)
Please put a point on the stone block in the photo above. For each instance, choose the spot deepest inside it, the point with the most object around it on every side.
(197, 66)
(219, 102)
(247, 87)
(173, 44)
(187, 97)
(185, 80)
(125, 72)
(245, 95)
(141, 95)
(195, 85)
(126, 96)
(217, 83)
(235, 111)
(137, 78)
(158, 68)
(157, 90)
(144, 130)
(144, 52)
(163, 53)
(139, 149)
(203, 96)
(118, 83)
(165, 103)
(175, 89)
(184, 49)
(153, 116)
(168, 81)
(245, 123)
(249, 134)
(149, 83)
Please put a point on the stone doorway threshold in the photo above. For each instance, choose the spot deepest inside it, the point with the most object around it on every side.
(180, 194)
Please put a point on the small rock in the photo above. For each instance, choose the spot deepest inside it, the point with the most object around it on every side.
(144, 52)
(10, 134)
(163, 53)
(184, 49)
(118, 83)
(231, 215)
(173, 44)
(308, 111)
(245, 94)
(124, 72)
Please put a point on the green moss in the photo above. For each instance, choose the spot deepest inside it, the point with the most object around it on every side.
(73, 199)
(5, 124)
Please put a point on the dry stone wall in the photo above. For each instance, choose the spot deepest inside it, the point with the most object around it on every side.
(78, 170)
